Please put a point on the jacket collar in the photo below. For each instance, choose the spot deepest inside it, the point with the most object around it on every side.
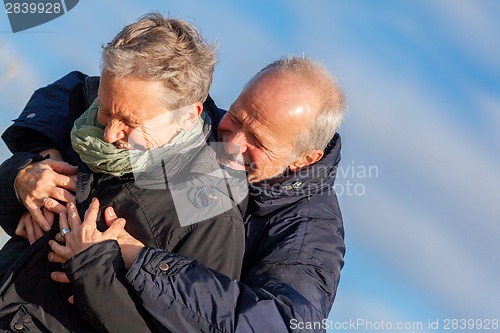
(268, 195)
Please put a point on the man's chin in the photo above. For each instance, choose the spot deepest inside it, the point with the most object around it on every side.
(228, 162)
(235, 165)
(255, 177)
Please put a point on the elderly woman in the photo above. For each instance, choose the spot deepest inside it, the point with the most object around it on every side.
(140, 148)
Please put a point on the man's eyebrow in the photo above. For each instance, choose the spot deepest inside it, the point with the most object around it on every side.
(234, 115)
(254, 131)
(257, 135)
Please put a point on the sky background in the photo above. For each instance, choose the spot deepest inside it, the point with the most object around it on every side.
(419, 179)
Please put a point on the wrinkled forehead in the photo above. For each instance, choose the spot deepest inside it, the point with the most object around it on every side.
(131, 95)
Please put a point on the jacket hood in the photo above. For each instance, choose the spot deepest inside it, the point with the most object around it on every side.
(269, 195)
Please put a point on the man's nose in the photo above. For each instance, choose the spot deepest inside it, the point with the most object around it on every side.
(236, 143)
(114, 131)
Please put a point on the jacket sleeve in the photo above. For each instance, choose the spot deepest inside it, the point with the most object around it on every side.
(181, 295)
(187, 297)
(101, 297)
(278, 294)
(45, 121)
(10, 207)
(98, 278)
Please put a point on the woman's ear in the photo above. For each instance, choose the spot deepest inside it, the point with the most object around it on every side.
(306, 159)
(192, 114)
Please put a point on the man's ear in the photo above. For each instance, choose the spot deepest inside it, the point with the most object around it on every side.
(306, 159)
(191, 116)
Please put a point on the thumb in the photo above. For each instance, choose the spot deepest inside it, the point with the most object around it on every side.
(63, 168)
(115, 229)
(110, 216)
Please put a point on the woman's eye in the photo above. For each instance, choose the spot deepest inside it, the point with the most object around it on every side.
(132, 124)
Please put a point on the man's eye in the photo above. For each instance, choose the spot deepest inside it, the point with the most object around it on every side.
(233, 118)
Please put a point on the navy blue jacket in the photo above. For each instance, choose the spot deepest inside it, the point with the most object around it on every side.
(294, 248)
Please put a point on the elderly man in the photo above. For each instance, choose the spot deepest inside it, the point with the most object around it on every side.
(140, 148)
(284, 125)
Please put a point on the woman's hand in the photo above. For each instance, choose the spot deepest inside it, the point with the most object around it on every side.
(83, 235)
(79, 235)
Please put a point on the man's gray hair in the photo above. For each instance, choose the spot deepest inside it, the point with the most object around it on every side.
(321, 83)
(167, 50)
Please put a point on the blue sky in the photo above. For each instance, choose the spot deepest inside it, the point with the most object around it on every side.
(419, 178)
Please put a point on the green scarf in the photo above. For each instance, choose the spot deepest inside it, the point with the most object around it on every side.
(103, 157)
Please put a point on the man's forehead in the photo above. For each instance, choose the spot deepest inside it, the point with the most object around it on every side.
(283, 94)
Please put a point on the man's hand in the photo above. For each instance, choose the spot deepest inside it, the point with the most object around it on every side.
(129, 246)
(46, 184)
(30, 230)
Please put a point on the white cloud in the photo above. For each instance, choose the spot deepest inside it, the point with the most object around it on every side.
(18, 80)
(474, 26)
(362, 313)
(488, 108)
(405, 119)
(9, 71)
(433, 211)
(426, 252)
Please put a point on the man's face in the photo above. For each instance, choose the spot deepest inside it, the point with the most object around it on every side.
(259, 127)
(132, 113)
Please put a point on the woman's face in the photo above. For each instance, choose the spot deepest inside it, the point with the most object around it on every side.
(132, 112)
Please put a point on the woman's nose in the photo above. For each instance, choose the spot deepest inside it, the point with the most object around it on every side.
(114, 131)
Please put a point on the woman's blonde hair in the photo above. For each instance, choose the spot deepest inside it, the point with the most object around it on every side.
(162, 49)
